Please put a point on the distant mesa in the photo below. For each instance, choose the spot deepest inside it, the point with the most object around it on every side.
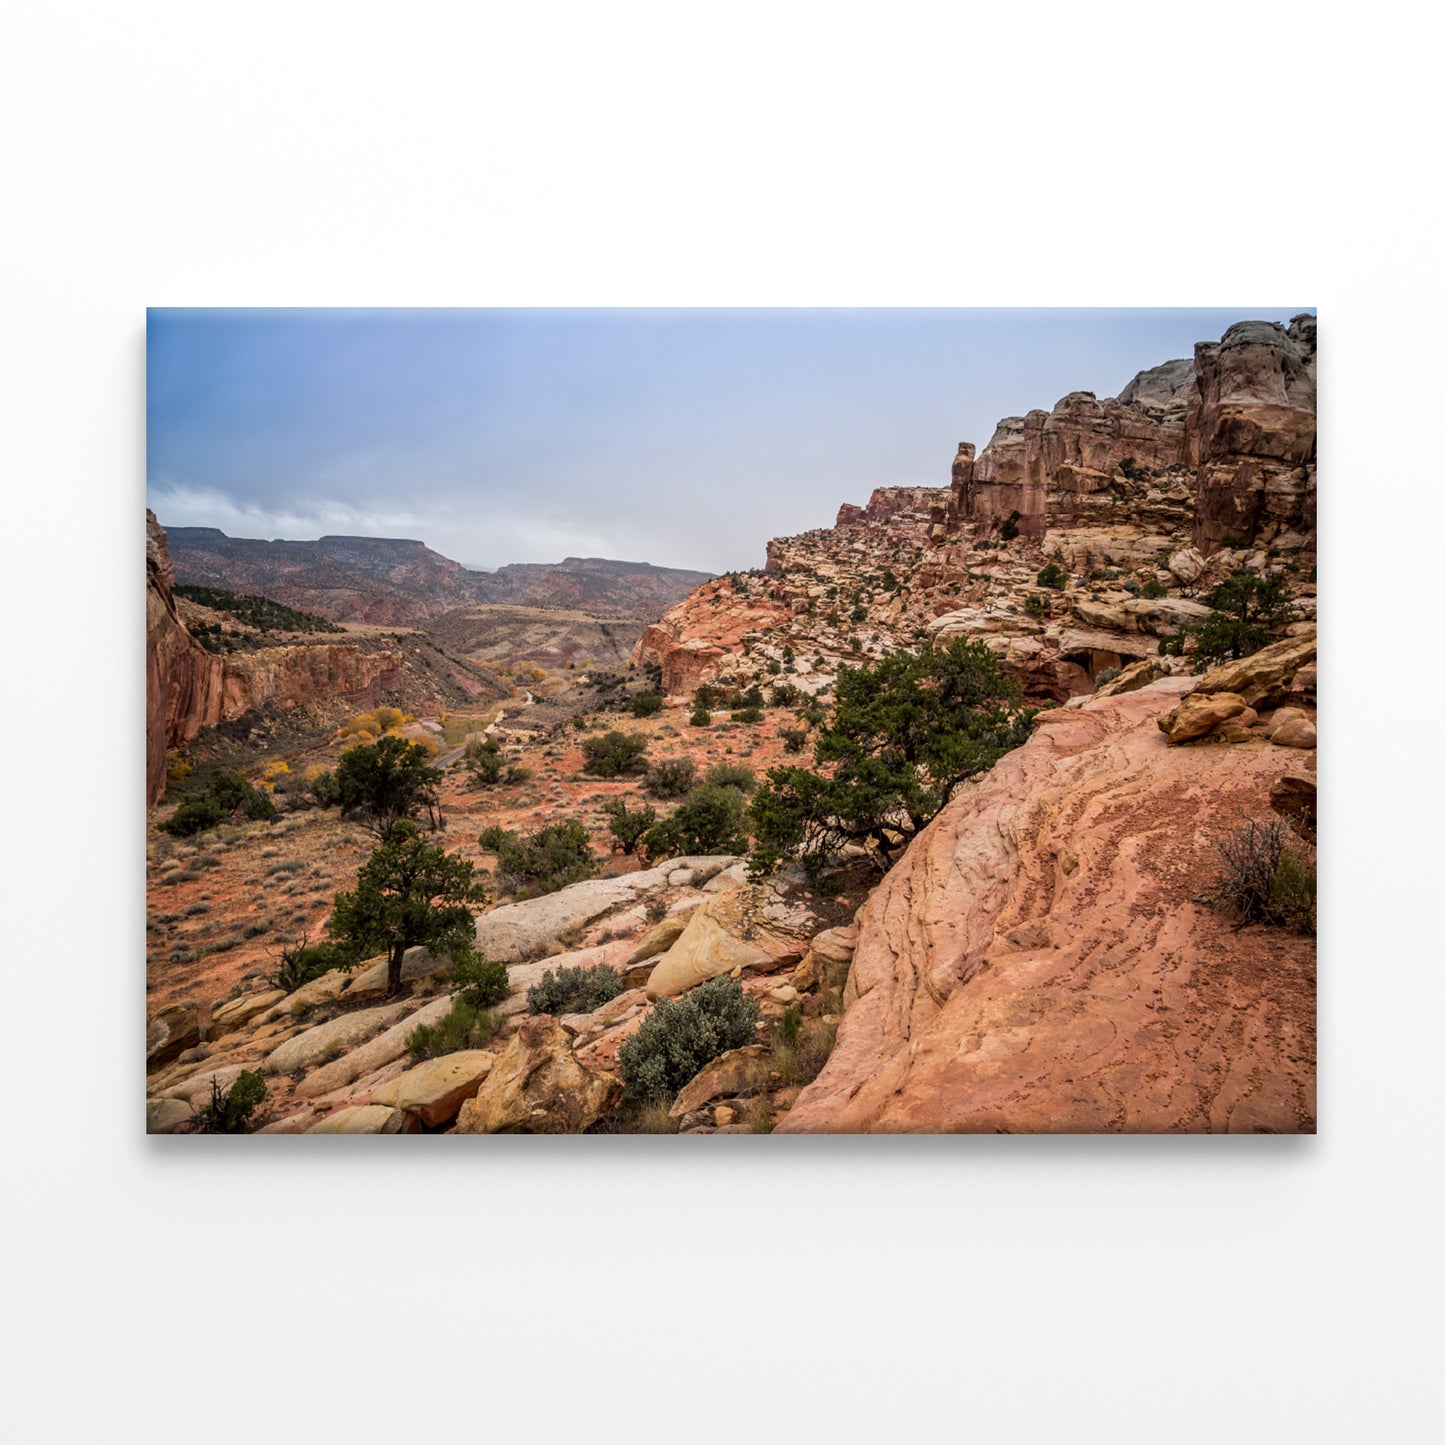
(396, 581)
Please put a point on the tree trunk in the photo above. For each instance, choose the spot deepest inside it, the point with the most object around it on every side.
(393, 968)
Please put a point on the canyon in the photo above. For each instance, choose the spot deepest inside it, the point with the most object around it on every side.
(1053, 953)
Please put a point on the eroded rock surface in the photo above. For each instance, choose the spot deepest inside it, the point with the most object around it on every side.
(1038, 961)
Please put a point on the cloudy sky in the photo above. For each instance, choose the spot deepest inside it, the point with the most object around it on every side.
(683, 438)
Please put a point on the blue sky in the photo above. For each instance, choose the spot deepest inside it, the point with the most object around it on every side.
(684, 438)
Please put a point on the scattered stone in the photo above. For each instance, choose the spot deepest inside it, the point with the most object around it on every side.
(1201, 713)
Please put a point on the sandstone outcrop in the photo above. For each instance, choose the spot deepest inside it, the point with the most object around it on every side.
(750, 927)
(1200, 467)
(537, 1086)
(1037, 962)
(436, 1089)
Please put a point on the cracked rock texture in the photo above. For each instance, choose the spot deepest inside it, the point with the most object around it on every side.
(1037, 962)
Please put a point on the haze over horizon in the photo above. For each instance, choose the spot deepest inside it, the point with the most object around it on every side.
(681, 438)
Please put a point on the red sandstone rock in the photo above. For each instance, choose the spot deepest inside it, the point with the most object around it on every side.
(1037, 962)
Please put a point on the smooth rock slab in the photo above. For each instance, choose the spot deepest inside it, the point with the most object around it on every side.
(308, 1049)
(228, 1017)
(365, 1119)
(373, 1054)
(165, 1116)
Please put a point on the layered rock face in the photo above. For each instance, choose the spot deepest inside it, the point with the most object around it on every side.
(1200, 467)
(188, 688)
(1252, 435)
(183, 680)
(1038, 960)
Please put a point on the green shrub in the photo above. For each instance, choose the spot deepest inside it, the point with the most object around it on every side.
(793, 739)
(483, 762)
(671, 778)
(680, 1036)
(1035, 605)
(627, 825)
(230, 1112)
(614, 754)
(227, 795)
(748, 715)
(482, 981)
(712, 820)
(645, 704)
(731, 775)
(1153, 589)
(1010, 527)
(464, 1027)
(379, 784)
(551, 858)
(1107, 674)
(700, 717)
(1052, 576)
(1248, 613)
(574, 990)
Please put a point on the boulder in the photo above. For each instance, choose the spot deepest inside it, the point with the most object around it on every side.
(1186, 564)
(659, 939)
(1201, 713)
(1137, 674)
(537, 1086)
(748, 927)
(316, 1046)
(730, 1074)
(170, 1033)
(434, 1090)
(1164, 616)
(165, 1116)
(1294, 797)
(237, 1012)
(365, 1119)
(1296, 733)
(367, 1057)
(1263, 678)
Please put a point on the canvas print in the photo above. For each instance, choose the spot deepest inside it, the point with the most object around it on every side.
(606, 722)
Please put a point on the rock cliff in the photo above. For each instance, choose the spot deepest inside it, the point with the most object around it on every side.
(189, 688)
(1041, 959)
(1200, 467)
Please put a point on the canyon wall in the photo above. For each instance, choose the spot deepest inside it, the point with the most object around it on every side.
(188, 688)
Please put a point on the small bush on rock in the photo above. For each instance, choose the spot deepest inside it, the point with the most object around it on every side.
(682, 1035)
(1052, 576)
(465, 1027)
(230, 1111)
(574, 990)
(1268, 877)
